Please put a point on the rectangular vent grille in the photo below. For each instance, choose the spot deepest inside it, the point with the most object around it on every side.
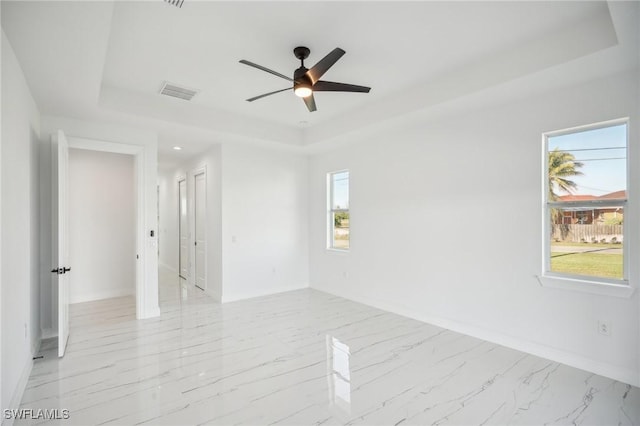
(176, 91)
(177, 3)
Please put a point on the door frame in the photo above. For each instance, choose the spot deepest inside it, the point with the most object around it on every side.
(138, 153)
(180, 179)
(192, 220)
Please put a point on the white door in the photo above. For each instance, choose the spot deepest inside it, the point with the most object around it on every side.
(184, 229)
(61, 235)
(200, 234)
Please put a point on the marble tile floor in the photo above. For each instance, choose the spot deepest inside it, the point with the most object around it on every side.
(302, 358)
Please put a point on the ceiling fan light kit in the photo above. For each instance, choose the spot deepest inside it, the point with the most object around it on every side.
(307, 81)
(302, 90)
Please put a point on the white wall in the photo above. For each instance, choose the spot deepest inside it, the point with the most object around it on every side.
(168, 220)
(20, 255)
(447, 227)
(637, 193)
(47, 290)
(264, 221)
(102, 234)
(257, 220)
(211, 163)
(1, 83)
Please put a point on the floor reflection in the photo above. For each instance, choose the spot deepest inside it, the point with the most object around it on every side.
(339, 374)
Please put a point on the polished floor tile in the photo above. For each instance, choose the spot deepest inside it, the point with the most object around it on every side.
(302, 358)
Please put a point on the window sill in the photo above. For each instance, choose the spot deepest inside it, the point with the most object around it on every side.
(603, 288)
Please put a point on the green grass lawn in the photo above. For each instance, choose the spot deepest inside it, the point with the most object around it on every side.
(592, 264)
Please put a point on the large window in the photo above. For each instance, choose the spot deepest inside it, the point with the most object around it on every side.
(586, 197)
(338, 211)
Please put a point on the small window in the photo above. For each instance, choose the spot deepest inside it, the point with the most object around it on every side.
(586, 198)
(338, 211)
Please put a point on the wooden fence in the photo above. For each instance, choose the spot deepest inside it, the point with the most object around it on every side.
(587, 233)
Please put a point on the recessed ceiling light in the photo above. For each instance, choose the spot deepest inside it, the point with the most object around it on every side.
(177, 148)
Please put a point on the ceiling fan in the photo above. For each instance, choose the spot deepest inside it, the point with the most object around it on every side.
(306, 81)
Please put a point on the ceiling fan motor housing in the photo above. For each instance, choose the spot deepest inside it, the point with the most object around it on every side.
(301, 52)
(300, 78)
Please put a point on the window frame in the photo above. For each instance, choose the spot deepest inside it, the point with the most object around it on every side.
(331, 211)
(584, 283)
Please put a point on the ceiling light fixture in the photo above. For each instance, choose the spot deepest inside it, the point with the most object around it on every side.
(307, 81)
(177, 148)
(303, 90)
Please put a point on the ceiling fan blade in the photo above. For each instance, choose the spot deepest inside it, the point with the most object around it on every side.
(330, 86)
(255, 98)
(318, 70)
(310, 102)
(260, 67)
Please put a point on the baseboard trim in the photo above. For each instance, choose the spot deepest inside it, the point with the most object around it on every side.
(106, 294)
(574, 360)
(253, 294)
(18, 392)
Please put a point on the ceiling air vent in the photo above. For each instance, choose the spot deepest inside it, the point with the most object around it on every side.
(177, 3)
(175, 91)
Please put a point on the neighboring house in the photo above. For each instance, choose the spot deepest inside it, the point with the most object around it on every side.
(587, 216)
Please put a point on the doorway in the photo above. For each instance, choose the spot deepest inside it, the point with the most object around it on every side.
(60, 238)
(102, 228)
(200, 242)
(143, 289)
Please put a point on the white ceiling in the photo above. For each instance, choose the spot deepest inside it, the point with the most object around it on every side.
(106, 61)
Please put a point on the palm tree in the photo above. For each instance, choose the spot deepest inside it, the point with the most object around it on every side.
(562, 166)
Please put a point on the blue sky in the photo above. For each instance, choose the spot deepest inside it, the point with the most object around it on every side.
(341, 190)
(603, 153)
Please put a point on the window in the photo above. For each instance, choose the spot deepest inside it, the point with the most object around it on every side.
(586, 198)
(338, 217)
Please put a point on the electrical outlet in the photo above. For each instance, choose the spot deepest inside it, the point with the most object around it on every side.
(604, 327)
